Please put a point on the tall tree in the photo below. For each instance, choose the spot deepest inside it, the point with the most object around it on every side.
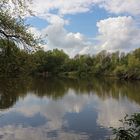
(13, 28)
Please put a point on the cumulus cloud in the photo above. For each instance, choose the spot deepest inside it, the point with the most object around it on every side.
(115, 33)
(119, 33)
(62, 7)
(80, 6)
(121, 6)
(59, 37)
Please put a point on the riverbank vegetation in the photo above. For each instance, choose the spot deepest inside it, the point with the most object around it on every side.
(130, 129)
(124, 66)
(58, 63)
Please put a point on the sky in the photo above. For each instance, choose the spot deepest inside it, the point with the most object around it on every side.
(87, 26)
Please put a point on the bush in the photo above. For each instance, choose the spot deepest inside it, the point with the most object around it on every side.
(130, 129)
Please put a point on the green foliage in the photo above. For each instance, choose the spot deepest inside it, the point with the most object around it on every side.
(121, 70)
(130, 129)
(129, 66)
(13, 61)
(16, 31)
(110, 64)
(14, 34)
(12, 25)
(50, 61)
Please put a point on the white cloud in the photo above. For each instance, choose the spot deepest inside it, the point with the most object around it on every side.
(121, 6)
(59, 37)
(80, 6)
(119, 33)
(62, 6)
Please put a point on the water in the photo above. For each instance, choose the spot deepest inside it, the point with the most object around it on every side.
(64, 109)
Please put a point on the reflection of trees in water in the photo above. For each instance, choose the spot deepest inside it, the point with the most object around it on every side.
(52, 88)
(55, 88)
(11, 90)
(116, 89)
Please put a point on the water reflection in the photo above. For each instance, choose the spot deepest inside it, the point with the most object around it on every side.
(64, 108)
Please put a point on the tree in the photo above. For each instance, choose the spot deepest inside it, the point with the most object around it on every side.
(137, 53)
(17, 62)
(14, 28)
(50, 61)
(14, 35)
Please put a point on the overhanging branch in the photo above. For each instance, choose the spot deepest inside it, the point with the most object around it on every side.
(9, 35)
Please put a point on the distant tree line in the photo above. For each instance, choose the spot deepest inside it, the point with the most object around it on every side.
(121, 65)
(14, 62)
(56, 62)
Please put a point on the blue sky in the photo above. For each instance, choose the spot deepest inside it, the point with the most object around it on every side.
(87, 26)
(37, 22)
(84, 23)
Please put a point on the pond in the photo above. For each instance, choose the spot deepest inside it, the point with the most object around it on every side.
(64, 109)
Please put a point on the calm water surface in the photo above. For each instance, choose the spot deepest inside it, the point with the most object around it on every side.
(64, 109)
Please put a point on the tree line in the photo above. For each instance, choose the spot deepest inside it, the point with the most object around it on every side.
(14, 62)
(121, 65)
